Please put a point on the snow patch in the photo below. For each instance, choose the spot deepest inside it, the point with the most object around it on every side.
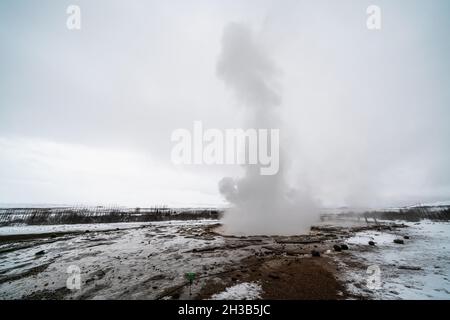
(242, 291)
(380, 238)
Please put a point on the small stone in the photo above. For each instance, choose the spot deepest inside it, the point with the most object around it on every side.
(344, 247)
(158, 277)
(399, 241)
(315, 253)
(176, 296)
(40, 253)
(337, 248)
(393, 292)
(406, 237)
(371, 243)
(415, 268)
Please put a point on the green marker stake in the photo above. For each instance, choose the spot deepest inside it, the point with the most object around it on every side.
(190, 276)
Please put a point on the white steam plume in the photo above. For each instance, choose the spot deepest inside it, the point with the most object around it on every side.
(260, 204)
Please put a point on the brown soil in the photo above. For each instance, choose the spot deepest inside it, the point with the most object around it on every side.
(282, 278)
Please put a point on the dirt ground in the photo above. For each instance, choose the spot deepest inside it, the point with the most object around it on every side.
(149, 262)
(286, 268)
(282, 278)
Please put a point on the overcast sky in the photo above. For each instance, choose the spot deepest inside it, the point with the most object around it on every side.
(86, 116)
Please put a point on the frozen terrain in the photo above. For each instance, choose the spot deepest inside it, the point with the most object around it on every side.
(417, 269)
(128, 261)
(150, 261)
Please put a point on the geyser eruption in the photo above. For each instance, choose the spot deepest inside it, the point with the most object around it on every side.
(261, 204)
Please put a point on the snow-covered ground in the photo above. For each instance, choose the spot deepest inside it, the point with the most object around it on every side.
(150, 260)
(133, 263)
(417, 269)
(36, 229)
(127, 261)
(241, 291)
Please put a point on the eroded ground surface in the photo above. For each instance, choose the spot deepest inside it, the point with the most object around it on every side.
(150, 261)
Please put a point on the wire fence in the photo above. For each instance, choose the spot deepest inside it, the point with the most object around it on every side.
(112, 214)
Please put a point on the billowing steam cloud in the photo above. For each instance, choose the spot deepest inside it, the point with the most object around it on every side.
(260, 204)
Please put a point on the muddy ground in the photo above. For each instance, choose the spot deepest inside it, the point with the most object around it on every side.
(150, 261)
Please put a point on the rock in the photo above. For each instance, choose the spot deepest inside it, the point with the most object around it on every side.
(158, 277)
(393, 292)
(176, 296)
(371, 243)
(410, 268)
(337, 248)
(86, 231)
(399, 241)
(40, 253)
(344, 247)
(406, 237)
(315, 253)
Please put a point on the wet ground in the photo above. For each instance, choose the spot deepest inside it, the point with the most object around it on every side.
(150, 261)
